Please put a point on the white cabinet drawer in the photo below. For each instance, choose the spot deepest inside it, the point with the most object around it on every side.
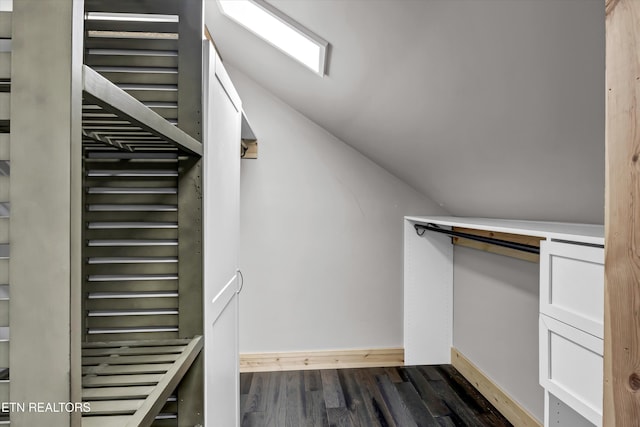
(572, 285)
(571, 367)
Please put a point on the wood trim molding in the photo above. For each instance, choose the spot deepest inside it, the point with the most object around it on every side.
(516, 238)
(512, 411)
(293, 361)
(249, 150)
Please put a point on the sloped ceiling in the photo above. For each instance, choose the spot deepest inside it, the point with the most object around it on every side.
(489, 107)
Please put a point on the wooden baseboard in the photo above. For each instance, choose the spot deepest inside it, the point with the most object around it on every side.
(263, 362)
(512, 411)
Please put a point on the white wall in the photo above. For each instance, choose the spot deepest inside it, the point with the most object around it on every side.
(496, 300)
(321, 237)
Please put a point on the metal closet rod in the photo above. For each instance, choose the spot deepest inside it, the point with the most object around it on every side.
(490, 240)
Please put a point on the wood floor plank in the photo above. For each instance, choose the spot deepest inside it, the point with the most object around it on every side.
(446, 422)
(339, 417)
(459, 407)
(332, 389)
(369, 398)
(378, 403)
(490, 413)
(253, 419)
(276, 401)
(415, 405)
(430, 373)
(434, 402)
(312, 380)
(474, 400)
(433, 396)
(295, 406)
(245, 382)
(243, 403)
(393, 374)
(315, 409)
(360, 412)
(398, 410)
(257, 398)
(494, 420)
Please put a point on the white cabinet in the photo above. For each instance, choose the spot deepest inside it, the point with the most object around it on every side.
(572, 285)
(571, 307)
(571, 367)
(571, 329)
(221, 230)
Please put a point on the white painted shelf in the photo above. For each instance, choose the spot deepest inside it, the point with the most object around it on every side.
(580, 233)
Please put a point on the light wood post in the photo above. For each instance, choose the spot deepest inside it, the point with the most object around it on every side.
(622, 215)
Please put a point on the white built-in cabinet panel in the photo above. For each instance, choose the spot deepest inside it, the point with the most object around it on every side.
(428, 297)
(222, 120)
(571, 307)
(572, 285)
(558, 413)
(571, 332)
(571, 367)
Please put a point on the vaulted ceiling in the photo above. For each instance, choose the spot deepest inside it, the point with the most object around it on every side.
(489, 107)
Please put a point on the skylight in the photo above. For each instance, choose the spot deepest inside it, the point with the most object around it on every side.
(279, 30)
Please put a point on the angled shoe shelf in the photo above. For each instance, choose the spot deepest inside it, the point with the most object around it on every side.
(127, 382)
(113, 117)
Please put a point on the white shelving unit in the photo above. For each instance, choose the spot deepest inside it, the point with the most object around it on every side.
(571, 307)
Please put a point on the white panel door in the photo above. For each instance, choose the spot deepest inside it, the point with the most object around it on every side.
(221, 192)
(222, 177)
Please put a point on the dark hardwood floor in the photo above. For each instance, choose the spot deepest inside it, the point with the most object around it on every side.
(413, 396)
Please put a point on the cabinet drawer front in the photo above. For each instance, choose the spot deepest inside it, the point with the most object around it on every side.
(571, 367)
(572, 285)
